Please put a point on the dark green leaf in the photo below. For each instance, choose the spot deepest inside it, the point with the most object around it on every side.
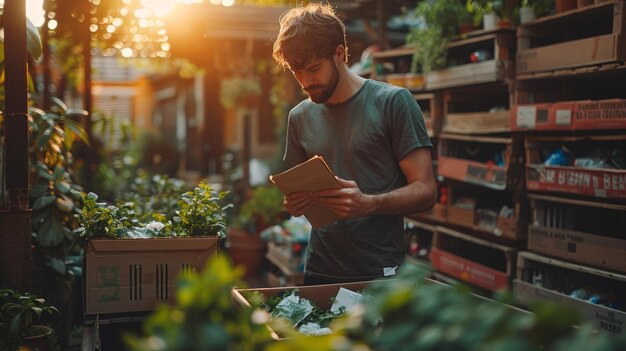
(43, 201)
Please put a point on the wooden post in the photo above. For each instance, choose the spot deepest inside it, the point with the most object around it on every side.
(16, 120)
(15, 215)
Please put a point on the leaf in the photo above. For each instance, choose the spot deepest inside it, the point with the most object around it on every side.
(43, 201)
(44, 138)
(76, 130)
(38, 190)
(58, 265)
(58, 102)
(36, 111)
(51, 232)
(33, 40)
(76, 112)
(63, 187)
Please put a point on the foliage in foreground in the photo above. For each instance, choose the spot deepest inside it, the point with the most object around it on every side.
(430, 316)
(204, 317)
(416, 315)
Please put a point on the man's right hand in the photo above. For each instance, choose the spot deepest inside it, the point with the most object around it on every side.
(296, 202)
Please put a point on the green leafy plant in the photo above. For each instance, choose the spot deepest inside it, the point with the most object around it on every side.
(204, 316)
(199, 212)
(430, 49)
(154, 196)
(541, 7)
(100, 220)
(237, 90)
(505, 9)
(440, 22)
(19, 313)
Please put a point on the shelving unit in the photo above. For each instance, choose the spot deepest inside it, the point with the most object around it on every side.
(570, 106)
(476, 152)
(558, 82)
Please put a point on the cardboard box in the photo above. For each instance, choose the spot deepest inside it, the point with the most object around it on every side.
(598, 182)
(570, 115)
(468, 271)
(550, 214)
(480, 173)
(595, 250)
(132, 275)
(321, 295)
(473, 260)
(603, 318)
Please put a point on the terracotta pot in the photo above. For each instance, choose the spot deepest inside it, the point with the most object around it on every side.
(39, 341)
(565, 5)
(247, 250)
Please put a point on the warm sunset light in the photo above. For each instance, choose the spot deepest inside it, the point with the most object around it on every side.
(159, 7)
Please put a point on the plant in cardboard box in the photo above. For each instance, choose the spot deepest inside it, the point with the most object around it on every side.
(157, 252)
(204, 317)
(263, 208)
(199, 212)
(407, 314)
(23, 321)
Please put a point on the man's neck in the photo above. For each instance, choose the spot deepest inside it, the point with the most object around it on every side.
(348, 85)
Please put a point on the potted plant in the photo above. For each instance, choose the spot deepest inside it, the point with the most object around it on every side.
(239, 90)
(21, 321)
(131, 264)
(531, 9)
(441, 21)
(263, 208)
(496, 13)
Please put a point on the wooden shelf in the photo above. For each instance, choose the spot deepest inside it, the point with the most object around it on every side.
(588, 36)
(531, 265)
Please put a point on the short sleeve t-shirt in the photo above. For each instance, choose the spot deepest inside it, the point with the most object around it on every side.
(362, 139)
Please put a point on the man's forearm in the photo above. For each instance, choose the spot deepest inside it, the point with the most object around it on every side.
(412, 198)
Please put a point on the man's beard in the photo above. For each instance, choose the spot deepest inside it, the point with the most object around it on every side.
(321, 93)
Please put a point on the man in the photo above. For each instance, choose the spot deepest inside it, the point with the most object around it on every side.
(371, 134)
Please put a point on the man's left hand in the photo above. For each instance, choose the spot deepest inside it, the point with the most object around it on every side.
(347, 202)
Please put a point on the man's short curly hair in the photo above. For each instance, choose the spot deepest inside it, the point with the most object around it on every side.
(308, 32)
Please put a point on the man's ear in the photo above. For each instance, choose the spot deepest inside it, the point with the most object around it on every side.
(340, 54)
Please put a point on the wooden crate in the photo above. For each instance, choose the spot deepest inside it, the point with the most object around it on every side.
(484, 217)
(598, 182)
(588, 36)
(472, 260)
(543, 279)
(477, 122)
(432, 109)
(286, 272)
(586, 232)
(570, 115)
(456, 160)
(500, 43)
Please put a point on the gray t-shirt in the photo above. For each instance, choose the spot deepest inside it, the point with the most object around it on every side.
(362, 139)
